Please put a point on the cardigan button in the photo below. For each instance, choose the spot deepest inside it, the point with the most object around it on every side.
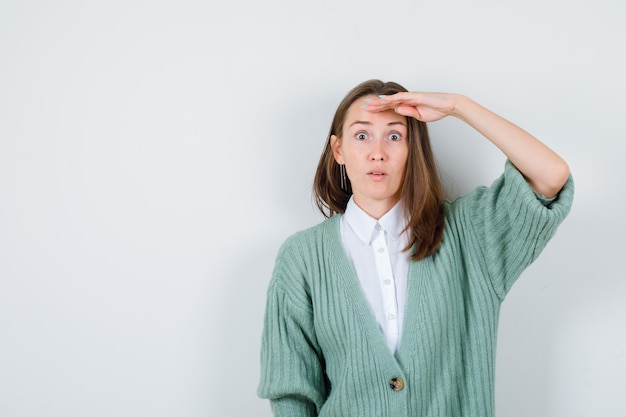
(396, 384)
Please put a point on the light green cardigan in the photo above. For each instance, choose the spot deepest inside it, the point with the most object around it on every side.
(323, 353)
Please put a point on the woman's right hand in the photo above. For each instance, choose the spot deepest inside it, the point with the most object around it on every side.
(425, 107)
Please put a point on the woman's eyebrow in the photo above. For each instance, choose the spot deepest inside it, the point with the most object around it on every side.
(363, 122)
(397, 123)
(360, 122)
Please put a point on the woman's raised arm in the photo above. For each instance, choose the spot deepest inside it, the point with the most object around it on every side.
(545, 171)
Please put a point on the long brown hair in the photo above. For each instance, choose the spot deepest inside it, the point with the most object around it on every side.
(422, 191)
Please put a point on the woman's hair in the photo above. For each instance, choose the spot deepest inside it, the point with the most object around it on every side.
(422, 191)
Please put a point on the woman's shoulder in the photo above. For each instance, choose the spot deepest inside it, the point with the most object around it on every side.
(302, 252)
(306, 239)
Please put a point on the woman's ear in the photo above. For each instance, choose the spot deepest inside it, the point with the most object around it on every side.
(335, 144)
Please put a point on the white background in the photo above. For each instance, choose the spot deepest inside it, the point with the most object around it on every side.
(155, 154)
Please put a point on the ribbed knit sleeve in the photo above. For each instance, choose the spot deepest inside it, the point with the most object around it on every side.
(508, 225)
(292, 370)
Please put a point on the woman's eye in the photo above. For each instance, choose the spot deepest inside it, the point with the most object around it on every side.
(394, 137)
(361, 136)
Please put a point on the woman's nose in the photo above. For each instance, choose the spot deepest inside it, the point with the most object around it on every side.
(377, 153)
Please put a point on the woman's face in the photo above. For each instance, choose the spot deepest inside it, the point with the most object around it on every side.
(374, 148)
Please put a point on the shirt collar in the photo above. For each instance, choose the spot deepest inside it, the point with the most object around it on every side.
(364, 226)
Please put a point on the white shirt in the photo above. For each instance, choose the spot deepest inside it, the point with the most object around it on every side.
(375, 248)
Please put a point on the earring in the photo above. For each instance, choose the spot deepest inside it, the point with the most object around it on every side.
(344, 181)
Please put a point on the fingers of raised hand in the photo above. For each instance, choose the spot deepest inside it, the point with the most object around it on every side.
(382, 103)
(405, 104)
(409, 111)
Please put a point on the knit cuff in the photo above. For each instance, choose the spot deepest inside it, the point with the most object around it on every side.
(563, 199)
(292, 407)
(545, 200)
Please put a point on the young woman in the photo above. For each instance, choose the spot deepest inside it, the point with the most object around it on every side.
(390, 306)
